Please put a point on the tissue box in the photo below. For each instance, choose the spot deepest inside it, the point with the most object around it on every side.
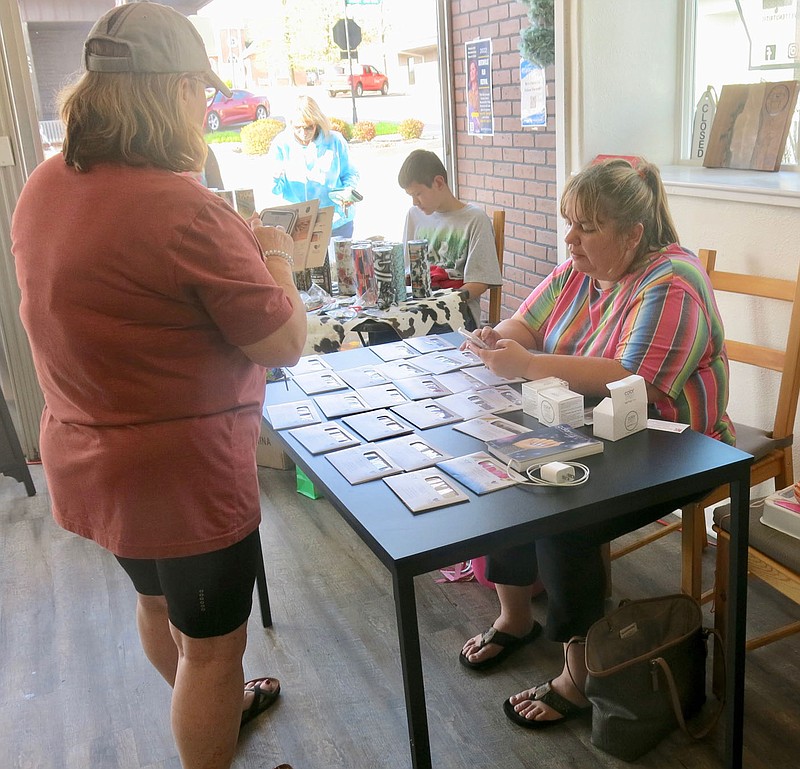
(560, 406)
(784, 519)
(530, 393)
(625, 412)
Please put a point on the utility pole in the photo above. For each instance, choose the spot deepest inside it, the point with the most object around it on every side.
(350, 62)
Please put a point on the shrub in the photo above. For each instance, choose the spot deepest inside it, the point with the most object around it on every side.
(345, 129)
(257, 136)
(410, 128)
(364, 131)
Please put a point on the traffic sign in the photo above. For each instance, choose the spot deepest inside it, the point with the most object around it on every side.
(342, 35)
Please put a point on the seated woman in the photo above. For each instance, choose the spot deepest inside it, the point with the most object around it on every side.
(629, 300)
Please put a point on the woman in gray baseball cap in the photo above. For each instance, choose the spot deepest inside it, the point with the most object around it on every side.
(152, 309)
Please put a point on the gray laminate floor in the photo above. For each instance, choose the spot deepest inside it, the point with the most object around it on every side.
(76, 691)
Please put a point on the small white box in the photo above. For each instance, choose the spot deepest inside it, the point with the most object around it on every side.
(625, 412)
(530, 393)
(784, 519)
(560, 406)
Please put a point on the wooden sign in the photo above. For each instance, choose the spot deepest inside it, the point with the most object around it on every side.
(751, 125)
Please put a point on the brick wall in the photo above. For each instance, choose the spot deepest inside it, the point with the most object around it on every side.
(515, 169)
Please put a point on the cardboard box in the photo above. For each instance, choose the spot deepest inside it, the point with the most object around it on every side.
(625, 412)
(560, 406)
(530, 393)
(268, 454)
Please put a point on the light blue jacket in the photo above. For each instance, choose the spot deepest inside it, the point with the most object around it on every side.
(304, 173)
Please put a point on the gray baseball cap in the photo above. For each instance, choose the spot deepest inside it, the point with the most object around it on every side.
(158, 39)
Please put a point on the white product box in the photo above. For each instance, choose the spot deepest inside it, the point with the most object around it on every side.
(784, 519)
(559, 406)
(530, 393)
(625, 412)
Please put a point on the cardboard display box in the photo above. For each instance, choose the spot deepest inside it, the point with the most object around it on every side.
(269, 454)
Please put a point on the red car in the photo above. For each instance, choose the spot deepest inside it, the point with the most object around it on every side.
(241, 107)
(365, 78)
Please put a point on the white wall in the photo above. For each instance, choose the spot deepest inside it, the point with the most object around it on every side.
(758, 239)
(622, 74)
(622, 95)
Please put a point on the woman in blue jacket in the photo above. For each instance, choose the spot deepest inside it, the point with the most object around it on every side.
(309, 160)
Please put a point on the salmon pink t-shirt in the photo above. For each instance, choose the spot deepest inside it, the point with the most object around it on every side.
(138, 287)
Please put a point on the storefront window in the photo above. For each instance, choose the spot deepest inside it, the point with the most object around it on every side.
(745, 41)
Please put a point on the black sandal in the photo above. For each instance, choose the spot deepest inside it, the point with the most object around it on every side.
(545, 693)
(510, 644)
(263, 697)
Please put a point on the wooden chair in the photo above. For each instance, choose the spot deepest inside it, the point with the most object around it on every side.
(773, 557)
(496, 292)
(772, 449)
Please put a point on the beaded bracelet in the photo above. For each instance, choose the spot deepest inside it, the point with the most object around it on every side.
(285, 255)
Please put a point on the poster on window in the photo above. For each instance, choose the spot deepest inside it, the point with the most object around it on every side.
(533, 95)
(480, 110)
(772, 27)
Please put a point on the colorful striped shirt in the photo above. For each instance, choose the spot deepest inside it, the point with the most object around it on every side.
(660, 322)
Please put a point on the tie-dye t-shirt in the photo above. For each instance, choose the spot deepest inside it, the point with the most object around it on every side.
(661, 321)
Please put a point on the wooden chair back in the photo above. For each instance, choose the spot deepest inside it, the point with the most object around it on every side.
(496, 292)
(774, 451)
(771, 448)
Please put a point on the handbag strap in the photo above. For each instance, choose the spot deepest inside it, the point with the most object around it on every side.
(673, 691)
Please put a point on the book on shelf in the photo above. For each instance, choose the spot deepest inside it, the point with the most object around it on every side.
(295, 414)
(376, 425)
(425, 489)
(490, 427)
(324, 437)
(413, 452)
(544, 443)
(480, 472)
(363, 463)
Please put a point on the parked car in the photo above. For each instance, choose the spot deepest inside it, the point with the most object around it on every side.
(365, 78)
(241, 107)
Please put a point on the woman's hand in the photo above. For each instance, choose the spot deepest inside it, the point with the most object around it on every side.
(508, 358)
(271, 238)
(486, 334)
